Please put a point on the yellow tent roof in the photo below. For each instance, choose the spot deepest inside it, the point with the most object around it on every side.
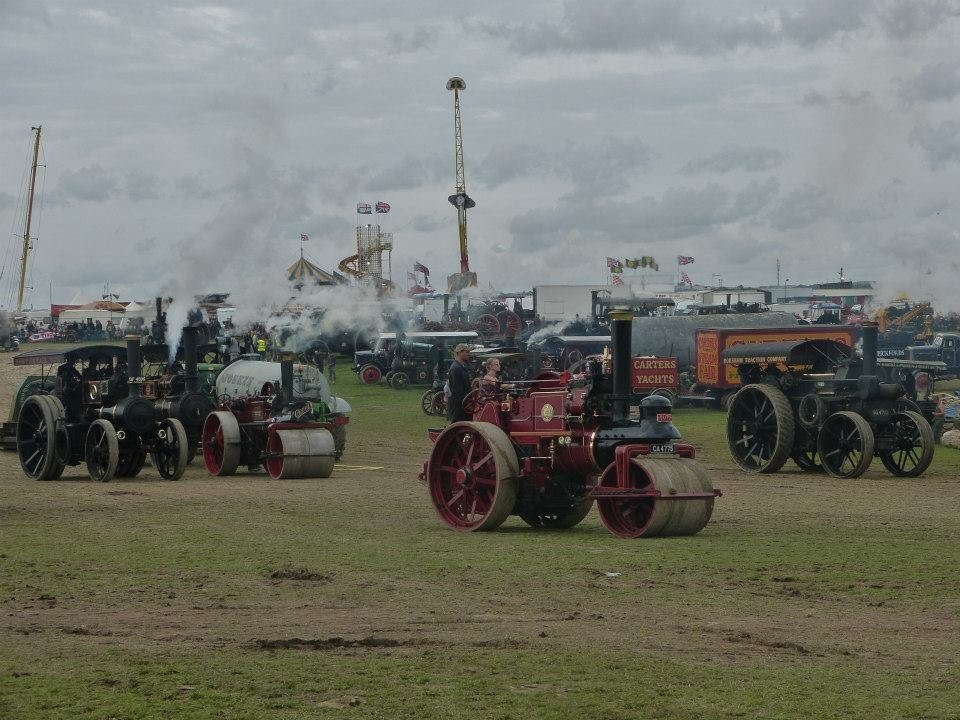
(305, 271)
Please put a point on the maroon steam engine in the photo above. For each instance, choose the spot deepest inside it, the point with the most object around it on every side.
(547, 449)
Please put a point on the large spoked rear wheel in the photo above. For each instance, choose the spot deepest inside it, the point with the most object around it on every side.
(37, 438)
(472, 476)
(845, 444)
(171, 452)
(760, 428)
(221, 443)
(913, 443)
(101, 451)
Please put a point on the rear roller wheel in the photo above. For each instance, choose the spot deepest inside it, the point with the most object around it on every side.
(760, 428)
(472, 476)
(37, 438)
(221, 443)
(913, 444)
(102, 451)
(845, 445)
(561, 519)
(171, 454)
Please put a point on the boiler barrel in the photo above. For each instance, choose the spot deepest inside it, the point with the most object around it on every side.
(676, 335)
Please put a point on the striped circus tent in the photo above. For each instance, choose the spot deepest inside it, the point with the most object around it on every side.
(304, 272)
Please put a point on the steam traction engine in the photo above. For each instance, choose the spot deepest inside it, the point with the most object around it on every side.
(98, 415)
(279, 415)
(546, 449)
(814, 402)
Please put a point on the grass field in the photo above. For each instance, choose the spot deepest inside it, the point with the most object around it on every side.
(242, 597)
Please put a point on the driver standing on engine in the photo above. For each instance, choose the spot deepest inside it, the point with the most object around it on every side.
(458, 379)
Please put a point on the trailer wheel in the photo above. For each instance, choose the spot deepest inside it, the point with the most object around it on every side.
(171, 453)
(760, 428)
(426, 402)
(472, 476)
(37, 438)
(101, 451)
(399, 380)
(845, 444)
(221, 443)
(913, 442)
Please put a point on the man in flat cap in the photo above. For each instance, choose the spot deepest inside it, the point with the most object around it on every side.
(458, 380)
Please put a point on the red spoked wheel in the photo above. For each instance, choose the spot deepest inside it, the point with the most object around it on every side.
(509, 322)
(472, 476)
(221, 443)
(370, 374)
(471, 401)
(488, 325)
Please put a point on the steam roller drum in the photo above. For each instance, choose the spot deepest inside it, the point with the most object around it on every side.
(300, 453)
(666, 510)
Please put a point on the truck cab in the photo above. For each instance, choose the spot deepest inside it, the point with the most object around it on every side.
(944, 347)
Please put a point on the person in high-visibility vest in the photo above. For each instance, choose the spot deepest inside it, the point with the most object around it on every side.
(262, 347)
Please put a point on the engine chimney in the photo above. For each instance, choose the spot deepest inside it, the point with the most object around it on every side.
(133, 365)
(286, 379)
(191, 377)
(870, 330)
(621, 332)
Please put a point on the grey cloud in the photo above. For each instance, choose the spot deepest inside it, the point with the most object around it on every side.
(940, 144)
(736, 157)
(193, 186)
(822, 20)
(89, 183)
(802, 208)
(428, 223)
(903, 19)
(419, 38)
(755, 197)
(604, 167)
(937, 81)
(815, 98)
(411, 171)
(141, 186)
(932, 207)
(507, 162)
(6, 201)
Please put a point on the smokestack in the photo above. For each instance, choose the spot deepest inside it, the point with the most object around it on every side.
(870, 330)
(621, 332)
(191, 377)
(286, 380)
(133, 365)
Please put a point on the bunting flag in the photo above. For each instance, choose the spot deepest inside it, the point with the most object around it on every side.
(617, 269)
(417, 267)
(642, 262)
(363, 209)
(383, 207)
(617, 280)
(303, 237)
(612, 263)
(684, 259)
(685, 279)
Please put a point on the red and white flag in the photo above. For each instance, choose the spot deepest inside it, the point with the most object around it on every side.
(303, 237)
(684, 259)
(383, 207)
(617, 280)
(363, 209)
(417, 267)
(685, 279)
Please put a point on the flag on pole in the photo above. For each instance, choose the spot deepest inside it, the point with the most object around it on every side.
(303, 237)
(612, 262)
(417, 267)
(684, 259)
(363, 209)
(617, 280)
(383, 207)
(685, 279)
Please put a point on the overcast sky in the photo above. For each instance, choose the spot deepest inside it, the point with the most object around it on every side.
(187, 146)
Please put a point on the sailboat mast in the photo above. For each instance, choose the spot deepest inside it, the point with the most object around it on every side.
(26, 234)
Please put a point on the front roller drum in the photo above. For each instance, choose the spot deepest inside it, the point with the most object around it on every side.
(662, 496)
(299, 453)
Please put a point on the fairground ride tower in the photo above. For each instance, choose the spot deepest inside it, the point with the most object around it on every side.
(371, 264)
